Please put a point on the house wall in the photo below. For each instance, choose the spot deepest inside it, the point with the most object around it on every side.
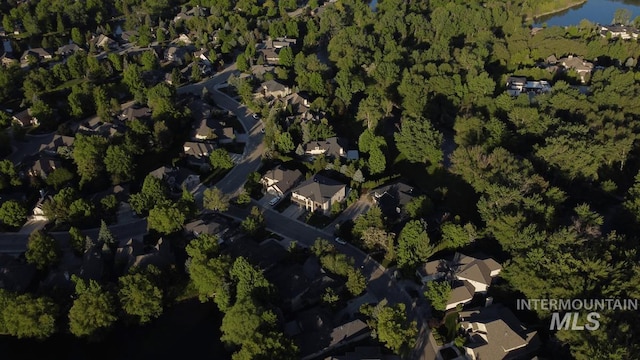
(479, 287)
(453, 305)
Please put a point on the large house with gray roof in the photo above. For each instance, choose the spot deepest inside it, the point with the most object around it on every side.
(495, 333)
(279, 180)
(319, 193)
(468, 276)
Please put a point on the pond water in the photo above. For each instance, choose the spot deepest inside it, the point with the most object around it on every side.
(596, 11)
(188, 330)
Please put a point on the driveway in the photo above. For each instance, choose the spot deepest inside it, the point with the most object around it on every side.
(293, 212)
(351, 213)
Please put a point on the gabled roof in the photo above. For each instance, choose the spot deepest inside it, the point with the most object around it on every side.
(333, 146)
(56, 142)
(199, 226)
(285, 179)
(68, 49)
(272, 85)
(197, 149)
(495, 333)
(25, 118)
(319, 188)
(44, 166)
(134, 112)
(393, 197)
(37, 52)
(461, 291)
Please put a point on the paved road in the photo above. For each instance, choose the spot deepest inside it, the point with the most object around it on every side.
(251, 159)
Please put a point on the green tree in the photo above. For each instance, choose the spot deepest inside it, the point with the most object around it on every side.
(119, 163)
(77, 240)
(93, 309)
(88, 155)
(356, 282)
(26, 316)
(77, 36)
(377, 161)
(392, 327)
(42, 250)
(59, 177)
(13, 213)
(253, 223)
(105, 236)
(220, 159)
(153, 192)
(242, 63)
(419, 142)
(285, 57)
(456, 236)
(413, 245)
(8, 175)
(438, 293)
(140, 297)
(285, 143)
(418, 207)
(166, 218)
(371, 219)
(215, 200)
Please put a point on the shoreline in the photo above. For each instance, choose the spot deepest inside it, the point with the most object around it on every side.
(567, 7)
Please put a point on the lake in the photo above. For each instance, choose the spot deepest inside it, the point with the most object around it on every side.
(188, 330)
(596, 11)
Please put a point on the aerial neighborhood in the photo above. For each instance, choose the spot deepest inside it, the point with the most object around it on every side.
(316, 180)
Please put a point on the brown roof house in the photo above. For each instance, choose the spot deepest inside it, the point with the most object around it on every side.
(177, 178)
(495, 333)
(197, 153)
(24, 118)
(69, 49)
(57, 144)
(273, 89)
(39, 54)
(279, 180)
(332, 147)
(319, 193)
(581, 66)
(468, 276)
(43, 166)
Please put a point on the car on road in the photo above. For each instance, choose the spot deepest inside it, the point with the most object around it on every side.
(340, 240)
(274, 201)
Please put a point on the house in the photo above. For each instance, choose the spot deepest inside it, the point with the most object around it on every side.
(43, 166)
(177, 178)
(177, 54)
(129, 35)
(619, 31)
(193, 12)
(294, 104)
(133, 254)
(316, 332)
(280, 180)
(8, 60)
(319, 193)
(93, 263)
(197, 153)
(199, 227)
(69, 49)
(95, 126)
(209, 129)
(391, 199)
(279, 43)
(494, 332)
(24, 118)
(332, 147)
(261, 70)
(183, 39)
(39, 54)
(270, 56)
(468, 276)
(273, 89)
(517, 85)
(135, 112)
(104, 42)
(581, 66)
(126, 255)
(58, 143)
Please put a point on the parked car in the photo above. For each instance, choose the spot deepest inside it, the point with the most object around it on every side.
(274, 201)
(256, 116)
(340, 241)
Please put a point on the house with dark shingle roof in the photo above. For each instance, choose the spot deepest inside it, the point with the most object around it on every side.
(274, 89)
(392, 198)
(58, 142)
(318, 193)
(197, 153)
(495, 333)
(332, 147)
(69, 49)
(468, 276)
(24, 118)
(43, 166)
(279, 180)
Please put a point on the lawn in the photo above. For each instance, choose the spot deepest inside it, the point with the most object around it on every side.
(450, 327)
(317, 219)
